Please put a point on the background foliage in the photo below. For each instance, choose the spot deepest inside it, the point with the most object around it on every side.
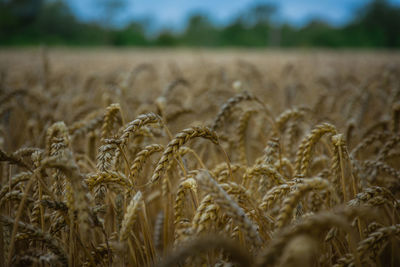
(32, 22)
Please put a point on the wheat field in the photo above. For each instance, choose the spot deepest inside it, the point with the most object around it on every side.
(199, 158)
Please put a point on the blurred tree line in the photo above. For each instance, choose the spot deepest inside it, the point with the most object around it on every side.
(32, 22)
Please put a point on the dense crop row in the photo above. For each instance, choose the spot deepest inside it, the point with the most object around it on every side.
(202, 163)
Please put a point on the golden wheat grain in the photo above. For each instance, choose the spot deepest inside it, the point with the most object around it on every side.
(13, 160)
(207, 243)
(304, 152)
(136, 124)
(187, 184)
(371, 245)
(287, 115)
(228, 107)
(266, 171)
(314, 226)
(273, 195)
(109, 119)
(174, 145)
(241, 133)
(294, 196)
(130, 216)
(139, 161)
(229, 206)
(37, 234)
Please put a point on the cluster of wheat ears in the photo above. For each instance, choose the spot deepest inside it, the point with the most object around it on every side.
(221, 166)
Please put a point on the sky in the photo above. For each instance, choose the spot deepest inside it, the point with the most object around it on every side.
(173, 14)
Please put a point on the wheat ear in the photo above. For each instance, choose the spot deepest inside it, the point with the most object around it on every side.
(130, 216)
(174, 145)
(294, 196)
(304, 152)
(229, 206)
(141, 158)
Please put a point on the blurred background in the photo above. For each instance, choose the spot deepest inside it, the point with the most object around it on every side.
(206, 23)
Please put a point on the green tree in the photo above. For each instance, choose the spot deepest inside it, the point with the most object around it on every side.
(382, 22)
(166, 38)
(133, 34)
(200, 31)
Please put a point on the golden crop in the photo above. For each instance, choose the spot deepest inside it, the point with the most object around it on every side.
(212, 158)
